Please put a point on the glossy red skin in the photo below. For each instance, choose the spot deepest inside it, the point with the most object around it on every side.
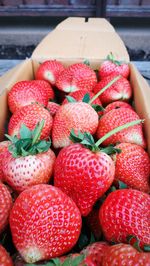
(78, 116)
(92, 221)
(49, 71)
(78, 76)
(83, 175)
(3, 148)
(53, 108)
(96, 252)
(107, 68)
(116, 105)
(30, 115)
(23, 172)
(5, 206)
(123, 254)
(45, 223)
(132, 166)
(126, 212)
(47, 87)
(26, 92)
(5, 259)
(116, 118)
(120, 90)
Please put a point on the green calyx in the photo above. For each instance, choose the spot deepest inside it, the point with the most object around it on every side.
(135, 242)
(29, 142)
(87, 140)
(111, 58)
(69, 261)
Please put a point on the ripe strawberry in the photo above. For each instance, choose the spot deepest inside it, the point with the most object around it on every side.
(29, 160)
(47, 87)
(79, 115)
(117, 105)
(132, 166)
(26, 92)
(96, 252)
(49, 71)
(53, 108)
(5, 259)
(3, 148)
(118, 117)
(83, 175)
(125, 255)
(112, 66)
(126, 212)
(92, 221)
(30, 115)
(45, 223)
(5, 206)
(77, 77)
(120, 90)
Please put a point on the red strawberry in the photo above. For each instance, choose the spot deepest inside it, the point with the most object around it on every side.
(78, 116)
(92, 221)
(30, 160)
(49, 71)
(120, 90)
(47, 87)
(125, 255)
(53, 108)
(78, 76)
(126, 212)
(30, 115)
(5, 259)
(5, 206)
(117, 105)
(3, 148)
(96, 252)
(45, 223)
(83, 175)
(26, 92)
(132, 166)
(112, 66)
(118, 117)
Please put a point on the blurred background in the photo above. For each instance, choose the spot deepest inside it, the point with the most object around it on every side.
(23, 23)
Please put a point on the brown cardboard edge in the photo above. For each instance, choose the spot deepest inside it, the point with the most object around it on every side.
(141, 90)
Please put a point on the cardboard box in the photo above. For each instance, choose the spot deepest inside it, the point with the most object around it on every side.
(75, 40)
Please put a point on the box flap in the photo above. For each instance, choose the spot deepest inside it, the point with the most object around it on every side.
(76, 40)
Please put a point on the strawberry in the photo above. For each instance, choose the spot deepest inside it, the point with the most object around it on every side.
(3, 148)
(96, 251)
(78, 76)
(5, 206)
(26, 92)
(47, 87)
(92, 221)
(118, 117)
(53, 108)
(117, 105)
(49, 71)
(112, 66)
(125, 255)
(5, 259)
(120, 90)
(132, 166)
(126, 212)
(45, 223)
(30, 115)
(77, 115)
(29, 160)
(83, 175)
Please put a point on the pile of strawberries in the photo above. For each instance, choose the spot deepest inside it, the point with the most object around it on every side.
(74, 170)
